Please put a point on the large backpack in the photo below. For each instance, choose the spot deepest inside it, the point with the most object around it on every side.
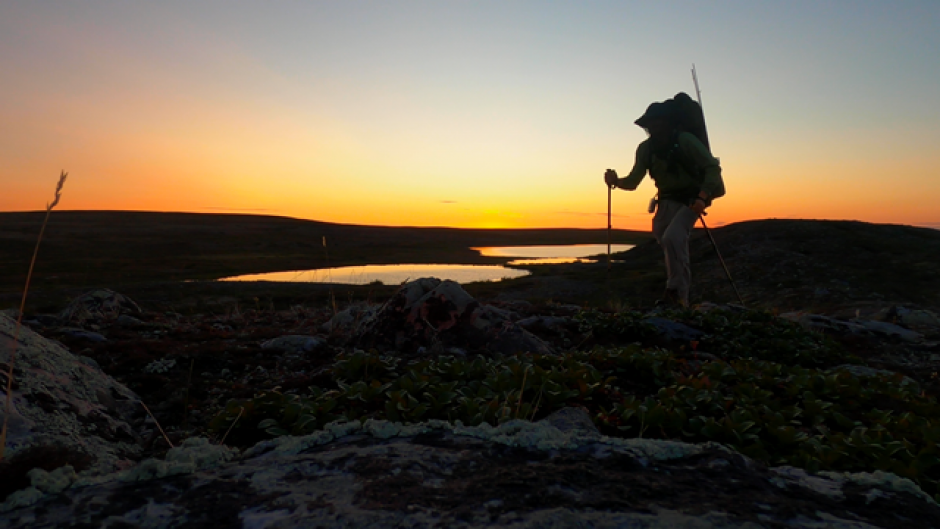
(689, 117)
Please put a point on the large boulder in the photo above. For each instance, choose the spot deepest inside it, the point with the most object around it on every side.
(430, 314)
(98, 307)
(924, 321)
(64, 408)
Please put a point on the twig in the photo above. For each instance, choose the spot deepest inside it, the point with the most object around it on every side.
(19, 319)
(537, 402)
(155, 421)
(189, 381)
(521, 391)
(241, 410)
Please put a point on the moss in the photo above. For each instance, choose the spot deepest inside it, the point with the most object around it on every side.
(14, 471)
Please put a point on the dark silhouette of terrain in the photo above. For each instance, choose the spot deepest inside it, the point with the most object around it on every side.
(117, 247)
(820, 265)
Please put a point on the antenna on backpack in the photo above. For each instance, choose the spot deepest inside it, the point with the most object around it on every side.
(698, 93)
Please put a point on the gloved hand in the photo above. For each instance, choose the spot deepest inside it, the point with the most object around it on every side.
(610, 177)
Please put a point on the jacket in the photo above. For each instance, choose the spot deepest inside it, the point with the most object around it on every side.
(681, 171)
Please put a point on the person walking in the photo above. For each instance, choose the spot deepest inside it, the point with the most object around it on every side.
(688, 179)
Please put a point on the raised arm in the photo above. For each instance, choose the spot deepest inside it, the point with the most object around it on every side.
(640, 168)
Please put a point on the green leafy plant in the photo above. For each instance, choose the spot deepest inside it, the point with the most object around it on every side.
(775, 402)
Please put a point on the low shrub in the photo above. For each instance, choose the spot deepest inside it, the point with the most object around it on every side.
(728, 334)
(769, 396)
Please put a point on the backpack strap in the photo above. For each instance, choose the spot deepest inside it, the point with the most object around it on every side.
(677, 155)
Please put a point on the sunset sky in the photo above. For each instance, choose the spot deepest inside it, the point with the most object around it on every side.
(467, 114)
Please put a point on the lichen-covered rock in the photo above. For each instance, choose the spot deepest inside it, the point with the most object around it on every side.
(435, 474)
(53, 482)
(823, 324)
(674, 331)
(890, 330)
(430, 313)
(11, 313)
(859, 327)
(549, 325)
(98, 306)
(65, 403)
(572, 420)
(194, 454)
(82, 335)
(865, 371)
(125, 320)
(921, 320)
(346, 322)
(295, 344)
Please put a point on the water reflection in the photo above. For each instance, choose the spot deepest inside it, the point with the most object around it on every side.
(387, 274)
(399, 273)
(550, 260)
(555, 254)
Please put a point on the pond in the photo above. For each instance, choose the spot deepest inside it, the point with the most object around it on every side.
(399, 273)
(556, 254)
(388, 274)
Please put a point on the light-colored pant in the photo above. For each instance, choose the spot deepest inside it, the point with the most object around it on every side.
(672, 227)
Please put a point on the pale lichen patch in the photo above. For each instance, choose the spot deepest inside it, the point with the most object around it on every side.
(881, 480)
(53, 482)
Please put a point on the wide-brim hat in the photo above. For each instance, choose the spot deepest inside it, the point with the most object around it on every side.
(656, 111)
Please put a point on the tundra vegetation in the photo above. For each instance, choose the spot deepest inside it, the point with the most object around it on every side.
(761, 384)
(765, 386)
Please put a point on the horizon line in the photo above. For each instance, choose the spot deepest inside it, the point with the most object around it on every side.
(935, 225)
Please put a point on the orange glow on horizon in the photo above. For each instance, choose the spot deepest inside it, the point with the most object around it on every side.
(160, 176)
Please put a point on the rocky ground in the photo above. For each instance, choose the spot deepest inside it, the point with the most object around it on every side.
(186, 368)
(115, 356)
(436, 475)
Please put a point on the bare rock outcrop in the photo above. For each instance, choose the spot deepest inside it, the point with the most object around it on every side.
(430, 313)
(434, 474)
(97, 307)
(65, 406)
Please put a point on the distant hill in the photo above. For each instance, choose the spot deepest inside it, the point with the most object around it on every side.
(782, 264)
(813, 264)
(114, 247)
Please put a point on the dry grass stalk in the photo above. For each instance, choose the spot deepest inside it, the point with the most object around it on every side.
(189, 381)
(224, 437)
(19, 318)
(522, 390)
(537, 402)
(155, 421)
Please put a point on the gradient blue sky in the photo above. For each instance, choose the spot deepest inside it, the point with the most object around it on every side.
(465, 113)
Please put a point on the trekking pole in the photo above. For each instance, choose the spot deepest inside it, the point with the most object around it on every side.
(698, 95)
(720, 258)
(609, 227)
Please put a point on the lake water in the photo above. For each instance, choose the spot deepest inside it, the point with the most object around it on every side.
(556, 254)
(399, 273)
(388, 274)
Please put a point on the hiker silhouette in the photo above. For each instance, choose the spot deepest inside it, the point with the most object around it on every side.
(687, 177)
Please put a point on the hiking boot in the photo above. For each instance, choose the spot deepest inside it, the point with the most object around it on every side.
(671, 298)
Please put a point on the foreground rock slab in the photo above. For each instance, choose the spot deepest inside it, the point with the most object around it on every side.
(518, 475)
(65, 405)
